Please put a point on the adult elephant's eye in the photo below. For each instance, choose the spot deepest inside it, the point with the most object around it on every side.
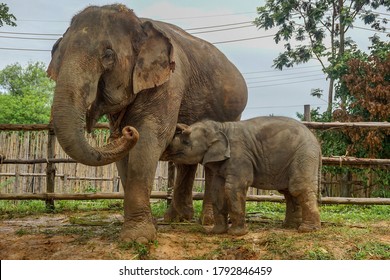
(108, 58)
(109, 53)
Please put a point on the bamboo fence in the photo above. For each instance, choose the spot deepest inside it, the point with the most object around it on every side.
(37, 168)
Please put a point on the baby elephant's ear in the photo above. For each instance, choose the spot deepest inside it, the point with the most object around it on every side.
(182, 128)
(219, 150)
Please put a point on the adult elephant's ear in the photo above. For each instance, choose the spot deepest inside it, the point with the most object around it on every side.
(154, 62)
(52, 69)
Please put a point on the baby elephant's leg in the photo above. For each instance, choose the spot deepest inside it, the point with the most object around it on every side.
(236, 196)
(220, 207)
(306, 194)
(293, 217)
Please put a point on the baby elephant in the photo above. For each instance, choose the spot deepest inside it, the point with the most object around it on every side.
(272, 153)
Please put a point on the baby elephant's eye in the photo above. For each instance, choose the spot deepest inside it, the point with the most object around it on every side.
(185, 142)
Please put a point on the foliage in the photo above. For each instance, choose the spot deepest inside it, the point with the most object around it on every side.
(363, 94)
(317, 29)
(25, 94)
(5, 16)
(308, 23)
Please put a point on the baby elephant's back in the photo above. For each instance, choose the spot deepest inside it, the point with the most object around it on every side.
(281, 142)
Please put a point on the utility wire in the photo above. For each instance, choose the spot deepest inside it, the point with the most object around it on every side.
(297, 75)
(279, 71)
(28, 33)
(283, 79)
(19, 49)
(280, 84)
(243, 39)
(25, 38)
(285, 106)
(225, 29)
(216, 26)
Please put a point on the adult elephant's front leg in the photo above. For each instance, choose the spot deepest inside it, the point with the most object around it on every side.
(181, 207)
(137, 175)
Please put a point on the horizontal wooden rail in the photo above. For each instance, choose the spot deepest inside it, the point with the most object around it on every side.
(39, 127)
(196, 196)
(337, 160)
(328, 125)
(314, 125)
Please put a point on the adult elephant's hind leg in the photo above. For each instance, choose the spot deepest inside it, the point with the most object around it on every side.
(181, 207)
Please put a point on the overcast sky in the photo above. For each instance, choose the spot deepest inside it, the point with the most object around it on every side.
(270, 91)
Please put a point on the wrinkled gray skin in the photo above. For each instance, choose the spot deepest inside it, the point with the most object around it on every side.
(274, 153)
(143, 73)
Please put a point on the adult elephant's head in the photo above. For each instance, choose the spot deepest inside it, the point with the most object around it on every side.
(105, 58)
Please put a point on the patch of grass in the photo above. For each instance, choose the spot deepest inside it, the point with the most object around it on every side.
(21, 207)
(142, 251)
(319, 253)
(9, 209)
(159, 208)
(372, 250)
(21, 232)
(354, 213)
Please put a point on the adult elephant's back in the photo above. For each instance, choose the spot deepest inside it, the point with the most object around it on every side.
(214, 87)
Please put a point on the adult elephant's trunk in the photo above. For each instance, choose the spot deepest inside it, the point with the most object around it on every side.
(69, 114)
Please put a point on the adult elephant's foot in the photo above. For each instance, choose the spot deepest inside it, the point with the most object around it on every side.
(219, 229)
(308, 227)
(292, 222)
(173, 215)
(141, 232)
(238, 231)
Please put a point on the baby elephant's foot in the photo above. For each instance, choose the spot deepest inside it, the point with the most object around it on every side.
(309, 227)
(238, 231)
(219, 229)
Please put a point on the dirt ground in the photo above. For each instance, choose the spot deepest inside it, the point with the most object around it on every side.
(94, 235)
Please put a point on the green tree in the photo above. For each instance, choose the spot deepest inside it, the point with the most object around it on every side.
(25, 94)
(317, 29)
(5, 16)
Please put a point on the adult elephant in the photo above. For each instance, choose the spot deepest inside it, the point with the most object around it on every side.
(146, 73)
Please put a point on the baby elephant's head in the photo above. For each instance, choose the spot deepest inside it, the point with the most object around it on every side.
(198, 143)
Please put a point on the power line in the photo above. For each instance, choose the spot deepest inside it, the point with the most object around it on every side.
(285, 106)
(216, 26)
(287, 69)
(280, 84)
(243, 39)
(370, 29)
(18, 49)
(225, 29)
(217, 15)
(281, 73)
(28, 33)
(253, 80)
(26, 38)
(280, 78)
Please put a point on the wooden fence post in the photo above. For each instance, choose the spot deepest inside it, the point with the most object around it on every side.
(171, 181)
(306, 113)
(50, 169)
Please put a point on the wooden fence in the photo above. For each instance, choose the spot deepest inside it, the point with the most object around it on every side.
(36, 168)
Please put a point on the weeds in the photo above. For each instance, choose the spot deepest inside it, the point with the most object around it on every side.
(142, 251)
